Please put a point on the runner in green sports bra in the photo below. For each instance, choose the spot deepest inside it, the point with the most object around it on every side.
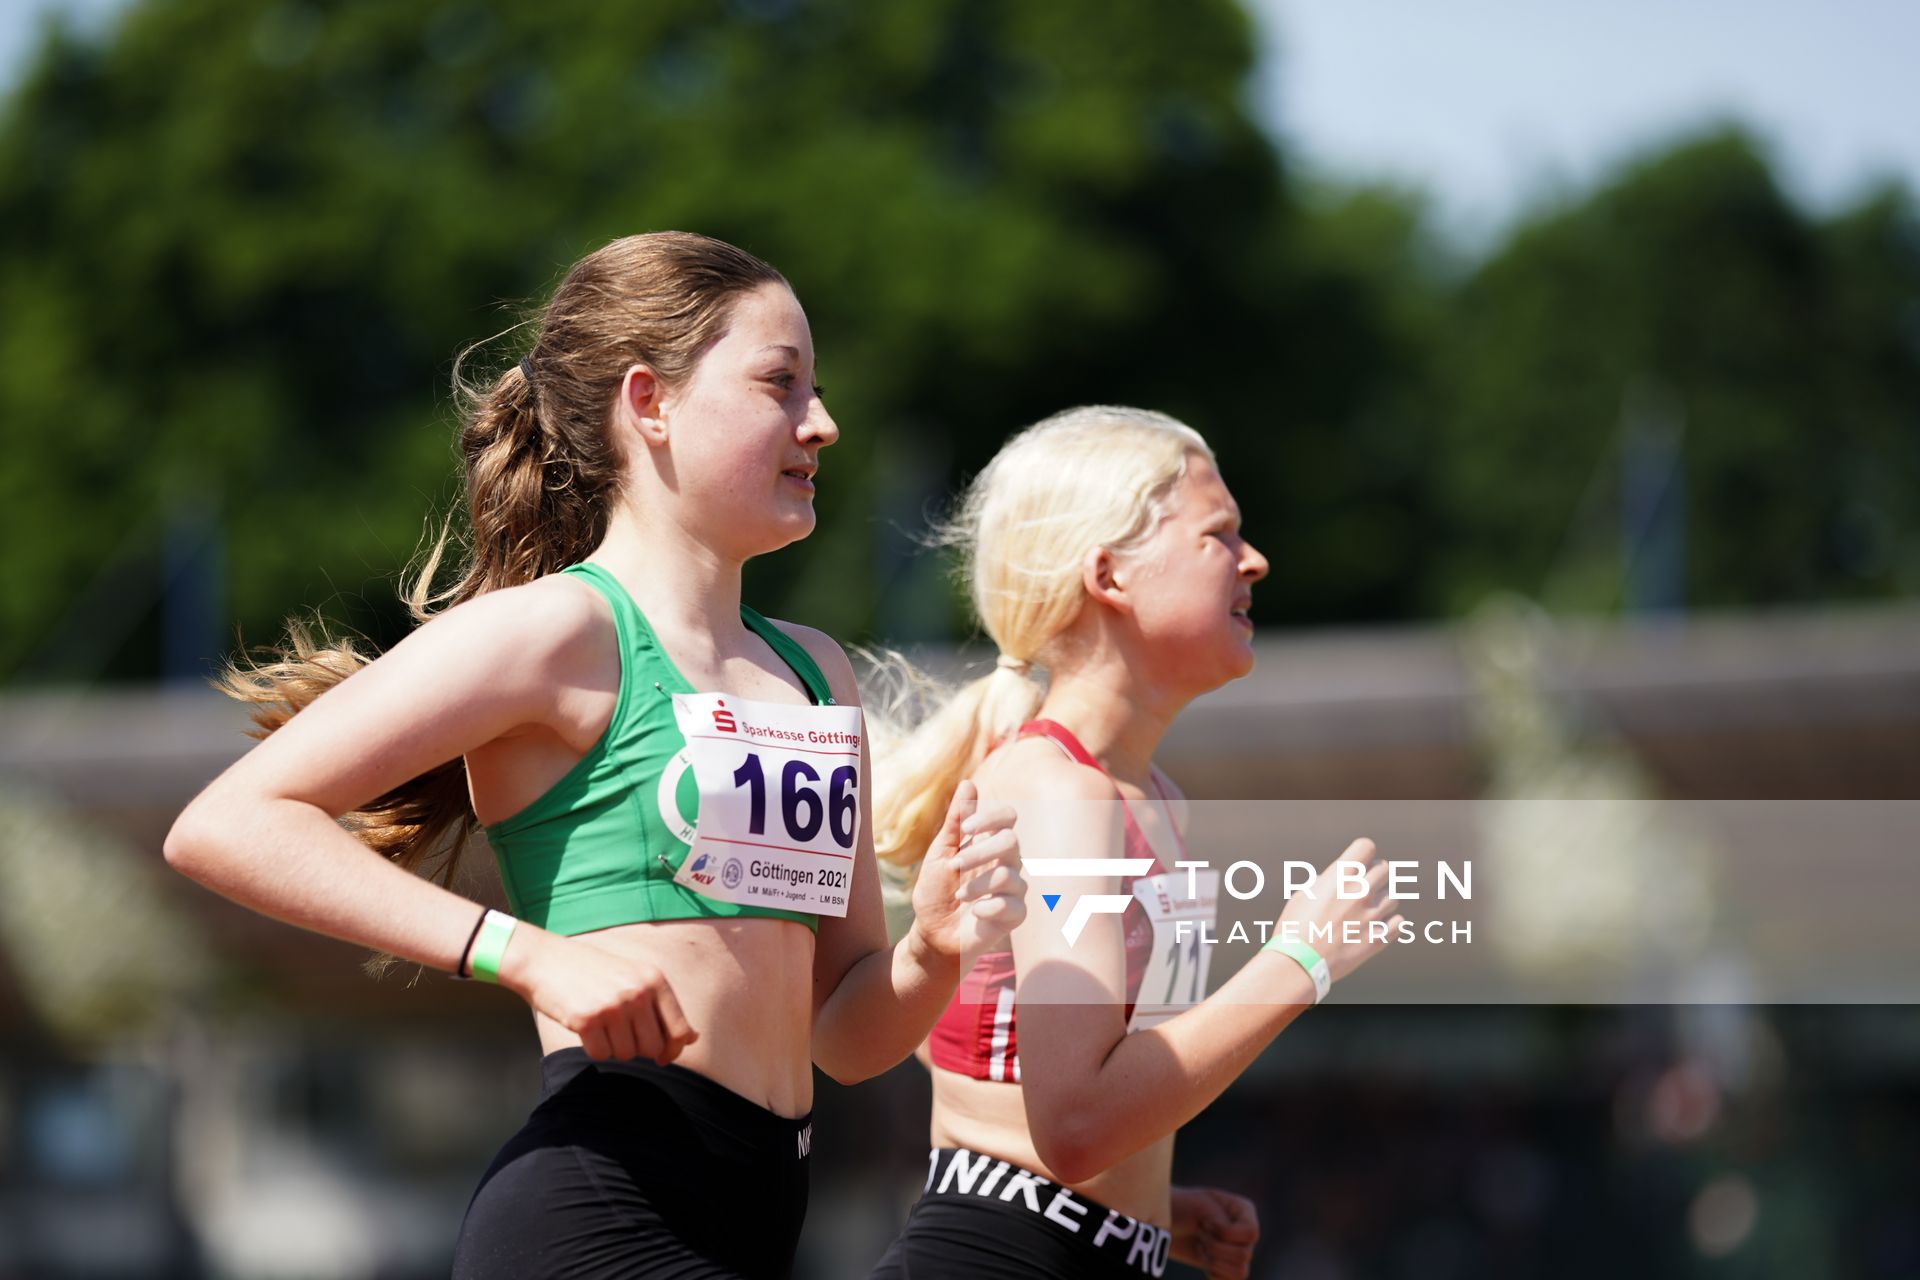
(688, 961)
(600, 848)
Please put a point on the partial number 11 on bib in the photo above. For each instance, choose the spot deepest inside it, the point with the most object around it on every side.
(1182, 909)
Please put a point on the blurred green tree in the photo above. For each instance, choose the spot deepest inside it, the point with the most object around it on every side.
(243, 244)
(1687, 318)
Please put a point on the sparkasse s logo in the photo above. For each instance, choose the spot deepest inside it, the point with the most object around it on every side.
(1087, 906)
(723, 719)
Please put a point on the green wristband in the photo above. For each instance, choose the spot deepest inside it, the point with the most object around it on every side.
(491, 946)
(1309, 959)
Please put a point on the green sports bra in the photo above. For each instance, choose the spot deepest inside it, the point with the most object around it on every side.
(595, 850)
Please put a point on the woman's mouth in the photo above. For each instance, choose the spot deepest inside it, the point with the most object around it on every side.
(802, 476)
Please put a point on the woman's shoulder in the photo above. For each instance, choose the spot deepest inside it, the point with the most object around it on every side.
(828, 656)
(556, 620)
(1032, 765)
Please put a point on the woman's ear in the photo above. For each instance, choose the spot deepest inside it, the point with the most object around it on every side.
(638, 407)
(1100, 576)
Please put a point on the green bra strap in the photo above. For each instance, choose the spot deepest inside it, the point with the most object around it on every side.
(792, 654)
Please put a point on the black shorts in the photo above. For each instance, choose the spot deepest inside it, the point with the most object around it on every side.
(643, 1172)
(981, 1218)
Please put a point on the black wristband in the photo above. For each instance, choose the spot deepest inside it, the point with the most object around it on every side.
(460, 969)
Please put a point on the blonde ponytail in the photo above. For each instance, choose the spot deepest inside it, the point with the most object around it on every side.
(918, 768)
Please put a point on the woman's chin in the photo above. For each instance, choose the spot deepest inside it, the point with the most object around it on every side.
(1235, 659)
(1200, 667)
(1233, 664)
(786, 529)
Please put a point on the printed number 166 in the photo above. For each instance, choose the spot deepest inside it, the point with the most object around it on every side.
(801, 809)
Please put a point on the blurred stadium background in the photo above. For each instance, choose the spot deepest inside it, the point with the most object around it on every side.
(1625, 485)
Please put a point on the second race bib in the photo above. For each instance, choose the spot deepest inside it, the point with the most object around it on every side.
(1176, 977)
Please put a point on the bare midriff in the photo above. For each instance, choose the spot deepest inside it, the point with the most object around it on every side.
(990, 1116)
(746, 986)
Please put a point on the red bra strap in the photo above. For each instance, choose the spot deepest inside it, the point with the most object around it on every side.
(1063, 738)
(1166, 807)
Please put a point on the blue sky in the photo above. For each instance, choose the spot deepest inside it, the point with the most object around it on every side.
(1491, 105)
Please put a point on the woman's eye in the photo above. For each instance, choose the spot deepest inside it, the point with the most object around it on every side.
(785, 382)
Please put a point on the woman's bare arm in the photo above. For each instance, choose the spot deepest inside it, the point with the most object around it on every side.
(264, 833)
(1094, 1093)
(874, 1003)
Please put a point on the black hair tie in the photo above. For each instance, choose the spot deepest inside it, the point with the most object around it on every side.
(526, 370)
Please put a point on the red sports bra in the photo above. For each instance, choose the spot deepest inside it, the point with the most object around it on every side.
(976, 1035)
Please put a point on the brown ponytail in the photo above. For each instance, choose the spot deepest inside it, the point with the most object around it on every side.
(541, 478)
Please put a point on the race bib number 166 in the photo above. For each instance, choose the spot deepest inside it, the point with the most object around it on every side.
(779, 801)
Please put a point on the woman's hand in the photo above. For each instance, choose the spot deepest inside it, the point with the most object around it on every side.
(970, 893)
(1325, 907)
(1215, 1231)
(619, 1007)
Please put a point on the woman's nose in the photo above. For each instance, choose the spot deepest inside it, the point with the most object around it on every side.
(1253, 565)
(819, 424)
